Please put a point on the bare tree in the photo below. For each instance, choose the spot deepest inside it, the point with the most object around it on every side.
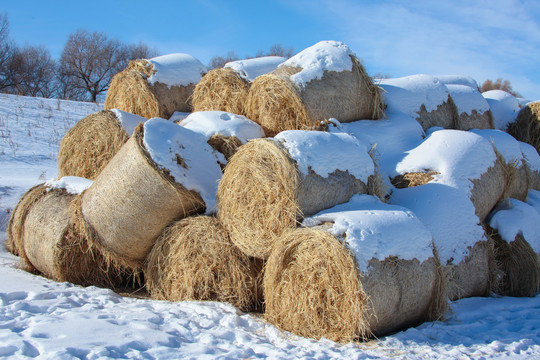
(277, 50)
(6, 54)
(33, 71)
(499, 84)
(220, 61)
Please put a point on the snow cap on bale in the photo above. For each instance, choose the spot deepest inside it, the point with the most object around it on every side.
(249, 69)
(194, 259)
(364, 268)
(527, 126)
(321, 82)
(271, 184)
(225, 132)
(422, 97)
(457, 80)
(155, 87)
(463, 160)
(517, 247)
(473, 109)
(89, 146)
(504, 108)
(164, 172)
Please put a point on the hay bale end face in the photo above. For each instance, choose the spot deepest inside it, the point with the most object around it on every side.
(194, 259)
(527, 126)
(322, 82)
(472, 108)
(267, 187)
(156, 87)
(89, 146)
(164, 172)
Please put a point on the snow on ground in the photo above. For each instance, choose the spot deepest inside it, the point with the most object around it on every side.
(50, 320)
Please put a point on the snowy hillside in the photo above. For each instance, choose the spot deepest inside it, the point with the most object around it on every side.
(49, 320)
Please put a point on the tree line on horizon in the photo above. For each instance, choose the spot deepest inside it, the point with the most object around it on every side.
(90, 60)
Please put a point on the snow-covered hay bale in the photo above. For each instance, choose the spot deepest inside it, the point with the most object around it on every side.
(225, 131)
(250, 69)
(323, 81)
(504, 108)
(515, 233)
(531, 161)
(271, 184)
(194, 259)
(362, 273)
(164, 172)
(15, 226)
(464, 160)
(423, 97)
(457, 80)
(89, 146)
(527, 126)
(472, 108)
(155, 87)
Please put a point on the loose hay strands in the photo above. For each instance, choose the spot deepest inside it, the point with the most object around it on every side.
(412, 179)
(89, 146)
(227, 145)
(130, 91)
(221, 89)
(133, 200)
(527, 126)
(518, 266)
(277, 104)
(15, 229)
(313, 288)
(194, 259)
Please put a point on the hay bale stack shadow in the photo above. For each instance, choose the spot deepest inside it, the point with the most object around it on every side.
(314, 288)
(282, 101)
(263, 192)
(89, 146)
(155, 87)
(194, 259)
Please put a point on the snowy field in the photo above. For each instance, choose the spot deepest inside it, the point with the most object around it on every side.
(43, 319)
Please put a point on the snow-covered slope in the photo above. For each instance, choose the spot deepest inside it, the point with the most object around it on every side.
(49, 320)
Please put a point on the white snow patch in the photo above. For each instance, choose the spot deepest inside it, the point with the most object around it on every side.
(178, 116)
(325, 153)
(392, 137)
(72, 184)
(176, 70)
(251, 68)
(517, 217)
(321, 57)
(506, 144)
(128, 121)
(375, 230)
(166, 141)
(459, 157)
(467, 99)
(530, 156)
(407, 94)
(504, 107)
(449, 215)
(457, 80)
(209, 123)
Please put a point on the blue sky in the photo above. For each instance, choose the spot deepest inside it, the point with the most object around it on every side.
(485, 39)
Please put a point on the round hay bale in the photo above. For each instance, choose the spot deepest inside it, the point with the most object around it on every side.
(269, 184)
(504, 108)
(163, 172)
(89, 146)
(322, 82)
(472, 108)
(15, 228)
(221, 89)
(527, 126)
(194, 259)
(313, 287)
(57, 247)
(155, 87)
(422, 97)
(531, 163)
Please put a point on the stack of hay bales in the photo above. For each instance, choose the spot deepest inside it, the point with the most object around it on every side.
(363, 269)
(226, 89)
(515, 234)
(156, 87)
(321, 82)
(527, 126)
(269, 185)
(89, 146)
(164, 172)
(225, 132)
(504, 108)
(423, 97)
(465, 183)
